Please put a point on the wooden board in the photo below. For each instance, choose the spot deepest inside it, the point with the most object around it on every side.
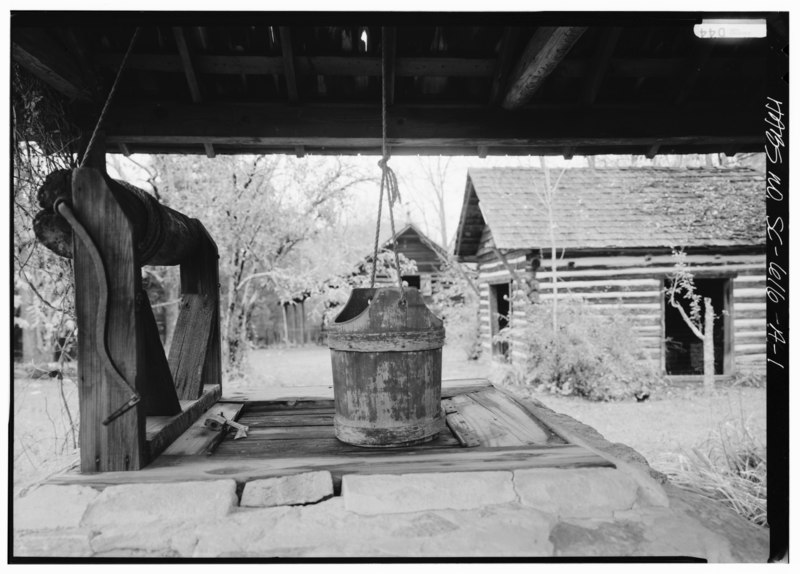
(514, 417)
(159, 394)
(366, 461)
(198, 438)
(121, 444)
(163, 431)
(193, 332)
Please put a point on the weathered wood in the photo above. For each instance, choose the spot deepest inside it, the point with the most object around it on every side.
(38, 52)
(516, 417)
(198, 438)
(162, 235)
(191, 77)
(159, 395)
(458, 425)
(387, 396)
(288, 63)
(545, 50)
(163, 431)
(599, 65)
(359, 127)
(360, 461)
(453, 387)
(190, 343)
(200, 276)
(121, 444)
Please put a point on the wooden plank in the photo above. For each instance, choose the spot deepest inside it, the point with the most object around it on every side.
(198, 438)
(288, 419)
(503, 65)
(358, 127)
(453, 387)
(200, 287)
(158, 393)
(191, 76)
(179, 469)
(170, 428)
(545, 50)
(600, 62)
(515, 417)
(121, 444)
(190, 340)
(489, 428)
(288, 63)
(462, 430)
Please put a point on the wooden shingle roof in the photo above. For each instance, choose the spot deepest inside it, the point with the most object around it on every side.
(614, 208)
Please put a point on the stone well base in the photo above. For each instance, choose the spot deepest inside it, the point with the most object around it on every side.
(536, 512)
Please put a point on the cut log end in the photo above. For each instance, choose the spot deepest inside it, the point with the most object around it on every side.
(53, 232)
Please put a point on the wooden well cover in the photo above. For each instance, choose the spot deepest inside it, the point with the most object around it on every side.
(386, 354)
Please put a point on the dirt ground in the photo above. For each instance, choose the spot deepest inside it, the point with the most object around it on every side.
(658, 428)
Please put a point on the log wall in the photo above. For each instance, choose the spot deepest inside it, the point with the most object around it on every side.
(634, 283)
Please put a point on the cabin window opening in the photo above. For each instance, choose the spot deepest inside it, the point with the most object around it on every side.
(683, 351)
(500, 307)
(412, 281)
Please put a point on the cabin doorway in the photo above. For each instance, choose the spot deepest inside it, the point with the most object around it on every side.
(412, 281)
(683, 351)
(500, 308)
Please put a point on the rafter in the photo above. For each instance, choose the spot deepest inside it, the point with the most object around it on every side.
(694, 65)
(191, 77)
(288, 63)
(599, 64)
(389, 35)
(503, 65)
(36, 51)
(546, 48)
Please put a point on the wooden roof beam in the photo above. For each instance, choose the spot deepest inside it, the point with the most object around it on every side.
(599, 65)
(652, 150)
(358, 128)
(191, 77)
(503, 65)
(546, 48)
(694, 66)
(35, 50)
(389, 37)
(288, 63)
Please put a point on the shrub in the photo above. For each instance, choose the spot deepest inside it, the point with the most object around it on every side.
(729, 466)
(592, 355)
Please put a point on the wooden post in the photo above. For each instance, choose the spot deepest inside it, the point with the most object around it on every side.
(121, 444)
(302, 305)
(195, 352)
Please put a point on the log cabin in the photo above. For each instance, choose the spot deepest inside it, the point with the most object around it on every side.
(614, 234)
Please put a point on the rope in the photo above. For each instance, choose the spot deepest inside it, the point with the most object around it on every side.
(389, 181)
(108, 99)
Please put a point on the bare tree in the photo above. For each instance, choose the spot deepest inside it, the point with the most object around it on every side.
(699, 319)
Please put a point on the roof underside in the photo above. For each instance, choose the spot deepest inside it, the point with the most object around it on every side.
(614, 208)
(457, 84)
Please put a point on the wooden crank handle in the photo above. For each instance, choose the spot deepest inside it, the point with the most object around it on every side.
(62, 207)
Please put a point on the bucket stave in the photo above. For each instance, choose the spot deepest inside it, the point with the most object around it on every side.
(386, 356)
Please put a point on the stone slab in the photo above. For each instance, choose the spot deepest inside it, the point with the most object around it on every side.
(53, 544)
(589, 492)
(390, 494)
(52, 506)
(134, 504)
(306, 488)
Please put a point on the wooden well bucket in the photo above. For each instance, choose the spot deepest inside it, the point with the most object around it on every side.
(386, 353)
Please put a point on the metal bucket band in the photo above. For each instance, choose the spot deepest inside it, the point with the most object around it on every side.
(388, 341)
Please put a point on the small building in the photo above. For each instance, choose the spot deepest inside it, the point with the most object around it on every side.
(613, 233)
(428, 255)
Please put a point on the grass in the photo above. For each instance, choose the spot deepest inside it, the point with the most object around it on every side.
(730, 466)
